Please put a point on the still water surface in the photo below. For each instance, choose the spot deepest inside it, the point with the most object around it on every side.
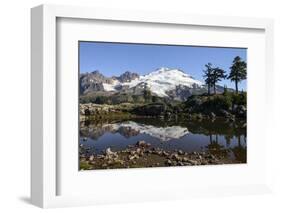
(213, 136)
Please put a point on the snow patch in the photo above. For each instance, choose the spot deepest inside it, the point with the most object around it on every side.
(163, 80)
(159, 81)
(110, 87)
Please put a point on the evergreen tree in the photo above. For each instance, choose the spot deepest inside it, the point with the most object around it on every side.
(238, 71)
(217, 75)
(208, 76)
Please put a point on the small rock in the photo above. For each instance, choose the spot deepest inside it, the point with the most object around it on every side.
(180, 152)
(212, 115)
(132, 157)
(185, 159)
(91, 158)
(159, 152)
(180, 164)
(138, 150)
(199, 157)
(165, 154)
(175, 156)
(169, 162)
(108, 151)
(141, 144)
(193, 162)
(100, 156)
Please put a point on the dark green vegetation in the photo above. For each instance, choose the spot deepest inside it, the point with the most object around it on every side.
(224, 105)
(227, 105)
(103, 98)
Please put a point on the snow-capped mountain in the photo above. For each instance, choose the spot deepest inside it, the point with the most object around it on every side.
(163, 82)
(160, 82)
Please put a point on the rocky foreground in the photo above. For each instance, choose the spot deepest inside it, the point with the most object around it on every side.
(143, 155)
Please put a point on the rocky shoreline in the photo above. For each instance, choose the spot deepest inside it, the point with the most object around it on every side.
(142, 154)
(196, 111)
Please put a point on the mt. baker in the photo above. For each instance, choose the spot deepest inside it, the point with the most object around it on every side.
(164, 82)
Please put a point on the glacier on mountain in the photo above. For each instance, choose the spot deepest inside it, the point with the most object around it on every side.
(158, 82)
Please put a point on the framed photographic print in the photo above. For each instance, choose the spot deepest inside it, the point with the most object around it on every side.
(130, 106)
(164, 116)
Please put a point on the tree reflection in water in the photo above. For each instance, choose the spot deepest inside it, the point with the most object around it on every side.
(215, 148)
(240, 151)
(220, 138)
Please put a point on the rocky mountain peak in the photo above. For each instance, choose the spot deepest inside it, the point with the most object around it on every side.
(96, 72)
(163, 82)
(128, 76)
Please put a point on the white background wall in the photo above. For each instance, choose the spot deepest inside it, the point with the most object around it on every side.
(15, 104)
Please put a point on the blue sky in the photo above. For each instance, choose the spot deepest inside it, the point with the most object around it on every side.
(116, 58)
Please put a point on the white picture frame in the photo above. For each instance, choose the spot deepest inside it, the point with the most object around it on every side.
(44, 154)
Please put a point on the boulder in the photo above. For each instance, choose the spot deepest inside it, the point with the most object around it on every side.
(175, 156)
(164, 153)
(168, 162)
(241, 111)
(185, 159)
(138, 150)
(109, 152)
(212, 115)
(227, 115)
(91, 158)
(180, 152)
(132, 157)
(143, 144)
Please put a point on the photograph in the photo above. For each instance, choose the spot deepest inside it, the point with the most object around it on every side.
(161, 105)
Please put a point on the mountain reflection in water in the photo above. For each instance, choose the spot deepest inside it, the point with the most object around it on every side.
(218, 137)
(162, 133)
